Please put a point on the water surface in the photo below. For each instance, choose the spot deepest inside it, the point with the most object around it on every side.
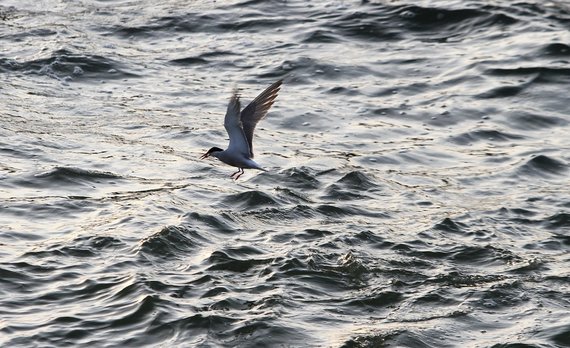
(417, 192)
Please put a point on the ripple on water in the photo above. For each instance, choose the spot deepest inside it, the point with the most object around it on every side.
(64, 64)
(543, 166)
(555, 50)
(250, 200)
(484, 135)
(415, 215)
(68, 177)
(352, 186)
(539, 74)
(293, 178)
(172, 242)
(81, 247)
(222, 222)
(222, 261)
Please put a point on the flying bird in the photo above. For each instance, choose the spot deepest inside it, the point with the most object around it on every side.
(240, 125)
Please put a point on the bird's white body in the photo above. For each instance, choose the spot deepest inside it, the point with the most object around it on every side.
(240, 126)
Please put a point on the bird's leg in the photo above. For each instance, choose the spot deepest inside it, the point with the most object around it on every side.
(238, 174)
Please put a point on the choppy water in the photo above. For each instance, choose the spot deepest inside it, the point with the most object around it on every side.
(418, 192)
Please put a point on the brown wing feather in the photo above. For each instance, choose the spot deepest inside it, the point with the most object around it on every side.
(257, 110)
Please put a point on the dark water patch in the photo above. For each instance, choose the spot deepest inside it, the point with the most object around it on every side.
(222, 222)
(484, 135)
(283, 215)
(439, 296)
(37, 208)
(558, 242)
(297, 177)
(373, 24)
(62, 173)
(515, 345)
(431, 16)
(292, 196)
(7, 13)
(92, 246)
(377, 301)
(559, 222)
(222, 261)
(202, 59)
(536, 74)
(373, 239)
(530, 121)
(339, 211)
(312, 234)
(462, 254)
(448, 225)
(561, 335)
(203, 22)
(442, 25)
(98, 243)
(32, 33)
(231, 304)
(8, 64)
(135, 32)
(63, 64)
(244, 251)
(22, 276)
(128, 290)
(320, 36)
(506, 294)
(343, 91)
(487, 255)
(248, 23)
(543, 166)
(518, 212)
(86, 290)
(69, 176)
(305, 69)
(503, 91)
(139, 314)
(194, 328)
(190, 61)
(336, 192)
(357, 180)
(254, 333)
(410, 337)
(459, 280)
(250, 200)
(28, 270)
(82, 247)
(163, 25)
(555, 50)
(317, 273)
(309, 234)
(172, 242)
(374, 340)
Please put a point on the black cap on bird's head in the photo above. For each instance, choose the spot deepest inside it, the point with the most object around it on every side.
(212, 150)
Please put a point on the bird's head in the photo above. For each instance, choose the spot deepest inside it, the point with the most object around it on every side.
(210, 152)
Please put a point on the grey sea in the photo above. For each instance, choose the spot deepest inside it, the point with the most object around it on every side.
(417, 192)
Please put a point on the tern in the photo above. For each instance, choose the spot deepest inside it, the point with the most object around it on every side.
(240, 126)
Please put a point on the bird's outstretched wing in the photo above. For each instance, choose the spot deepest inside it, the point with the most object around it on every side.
(233, 125)
(257, 110)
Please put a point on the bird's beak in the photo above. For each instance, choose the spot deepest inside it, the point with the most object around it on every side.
(204, 155)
